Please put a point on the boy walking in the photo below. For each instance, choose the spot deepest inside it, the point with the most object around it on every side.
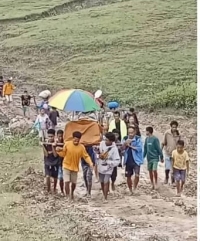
(108, 159)
(180, 162)
(60, 143)
(26, 102)
(133, 158)
(8, 90)
(72, 152)
(50, 160)
(87, 170)
(153, 152)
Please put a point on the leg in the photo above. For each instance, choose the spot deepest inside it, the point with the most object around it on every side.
(84, 168)
(183, 176)
(89, 181)
(48, 183)
(113, 178)
(150, 169)
(55, 176)
(106, 186)
(101, 180)
(96, 173)
(167, 169)
(128, 175)
(73, 177)
(177, 180)
(61, 185)
(155, 173)
(137, 176)
(55, 184)
(66, 176)
(60, 177)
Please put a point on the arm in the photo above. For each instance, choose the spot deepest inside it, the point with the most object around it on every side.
(187, 163)
(54, 150)
(4, 89)
(115, 158)
(157, 145)
(138, 146)
(86, 157)
(164, 143)
(62, 151)
(145, 148)
(45, 151)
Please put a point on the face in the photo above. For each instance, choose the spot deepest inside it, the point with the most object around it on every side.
(76, 141)
(116, 117)
(131, 133)
(147, 133)
(131, 120)
(180, 148)
(108, 143)
(51, 138)
(42, 111)
(116, 136)
(174, 128)
(60, 138)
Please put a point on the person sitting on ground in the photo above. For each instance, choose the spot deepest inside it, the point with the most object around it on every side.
(153, 152)
(180, 164)
(26, 102)
(133, 158)
(50, 160)
(108, 159)
(42, 124)
(53, 116)
(72, 152)
(118, 124)
(131, 113)
(8, 90)
(87, 170)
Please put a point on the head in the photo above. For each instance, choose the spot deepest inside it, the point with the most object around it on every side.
(51, 135)
(116, 133)
(117, 116)
(105, 127)
(60, 134)
(53, 108)
(42, 111)
(76, 137)
(1, 78)
(110, 138)
(180, 146)
(132, 131)
(9, 81)
(25, 92)
(131, 120)
(131, 111)
(174, 126)
(149, 131)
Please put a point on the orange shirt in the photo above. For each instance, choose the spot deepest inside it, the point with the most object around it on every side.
(8, 89)
(72, 155)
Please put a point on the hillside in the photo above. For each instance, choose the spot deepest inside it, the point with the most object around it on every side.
(139, 52)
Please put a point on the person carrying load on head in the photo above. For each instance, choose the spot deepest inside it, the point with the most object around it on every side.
(118, 124)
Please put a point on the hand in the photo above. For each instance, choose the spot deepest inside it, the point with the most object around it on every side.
(59, 148)
(162, 161)
(41, 143)
(54, 144)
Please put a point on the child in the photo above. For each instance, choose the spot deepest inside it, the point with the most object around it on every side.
(8, 89)
(153, 152)
(118, 144)
(50, 160)
(108, 159)
(60, 143)
(180, 163)
(87, 170)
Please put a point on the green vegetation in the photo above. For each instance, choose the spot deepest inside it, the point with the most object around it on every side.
(138, 52)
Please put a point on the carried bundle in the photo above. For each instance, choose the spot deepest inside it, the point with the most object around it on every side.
(91, 131)
(45, 94)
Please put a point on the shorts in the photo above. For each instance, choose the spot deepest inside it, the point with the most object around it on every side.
(104, 178)
(70, 176)
(152, 165)
(168, 163)
(179, 175)
(60, 173)
(87, 174)
(132, 169)
(43, 134)
(114, 174)
(26, 110)
(9, 98)
(51, 171)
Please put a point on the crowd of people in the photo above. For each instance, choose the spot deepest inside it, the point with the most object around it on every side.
(121, 145)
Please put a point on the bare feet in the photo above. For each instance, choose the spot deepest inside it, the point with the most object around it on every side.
(113, 187)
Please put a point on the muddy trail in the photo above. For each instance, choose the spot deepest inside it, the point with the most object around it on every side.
(29, 214)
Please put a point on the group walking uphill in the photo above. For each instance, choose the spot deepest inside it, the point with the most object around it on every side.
(119, 145)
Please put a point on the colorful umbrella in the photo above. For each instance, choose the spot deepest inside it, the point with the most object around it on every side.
(74, 100)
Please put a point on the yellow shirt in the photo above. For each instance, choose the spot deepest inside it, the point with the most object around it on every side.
(72, 155)
(8, 89)
(180, 160)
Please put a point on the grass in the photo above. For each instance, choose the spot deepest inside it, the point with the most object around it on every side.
(138, 52)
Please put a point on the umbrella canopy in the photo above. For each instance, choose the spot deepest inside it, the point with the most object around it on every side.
(74, 100)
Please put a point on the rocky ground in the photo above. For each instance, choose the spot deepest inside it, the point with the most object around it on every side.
(29, 214)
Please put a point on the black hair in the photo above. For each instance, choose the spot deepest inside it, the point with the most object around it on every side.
(60, 132)
(110, 136)
(117, 113)
(51, 132)
(177, 132)
(149, 129)
(116, 131)
(131, 109)
(174, 123)
(77, 134)
(180, 143)
(132, 127)
(1, 77)
(25, 91)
